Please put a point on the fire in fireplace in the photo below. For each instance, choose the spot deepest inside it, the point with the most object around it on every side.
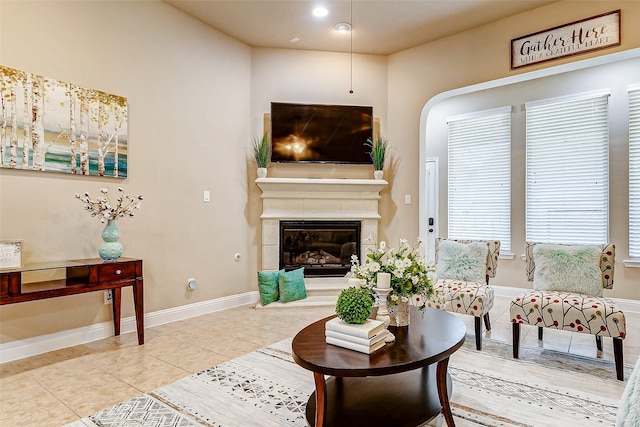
(323, 248)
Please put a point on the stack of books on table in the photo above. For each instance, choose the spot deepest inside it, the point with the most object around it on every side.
(366, 337)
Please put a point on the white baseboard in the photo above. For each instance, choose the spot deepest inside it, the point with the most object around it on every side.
(20, 349)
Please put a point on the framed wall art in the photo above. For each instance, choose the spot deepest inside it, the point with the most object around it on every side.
(10, 254)
(53, 126)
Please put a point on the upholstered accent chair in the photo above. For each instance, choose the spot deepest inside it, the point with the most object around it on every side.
(574, 306)
(458, 288)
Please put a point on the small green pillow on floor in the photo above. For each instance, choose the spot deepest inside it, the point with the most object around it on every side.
(268, 286)
(291, 284)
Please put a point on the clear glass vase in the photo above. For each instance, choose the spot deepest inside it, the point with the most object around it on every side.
(399, 313)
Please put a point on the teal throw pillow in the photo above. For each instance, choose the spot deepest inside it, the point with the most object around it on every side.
(268, 286)
(574, 269)
(462, 261)
(291, 285)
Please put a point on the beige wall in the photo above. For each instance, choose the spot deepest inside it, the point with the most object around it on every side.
(615, 77)
(188, 89)
(196, 99)
(475, 56)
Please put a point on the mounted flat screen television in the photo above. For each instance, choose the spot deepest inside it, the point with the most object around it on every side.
(320, 133)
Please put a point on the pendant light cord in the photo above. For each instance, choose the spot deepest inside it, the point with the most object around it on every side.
(351, 47)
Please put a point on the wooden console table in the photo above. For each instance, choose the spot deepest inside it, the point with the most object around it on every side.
(83, 275)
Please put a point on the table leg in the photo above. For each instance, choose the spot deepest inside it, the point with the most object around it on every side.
(321, 398)
(115, 305)
(441, 378)
(138, 303)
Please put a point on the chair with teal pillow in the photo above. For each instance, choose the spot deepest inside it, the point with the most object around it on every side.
(463, 270)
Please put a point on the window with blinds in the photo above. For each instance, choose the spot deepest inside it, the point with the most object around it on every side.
(479, 179)
(634, 171)
(567, 162)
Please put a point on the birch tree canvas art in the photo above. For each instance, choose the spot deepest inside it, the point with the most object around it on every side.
(53, 126)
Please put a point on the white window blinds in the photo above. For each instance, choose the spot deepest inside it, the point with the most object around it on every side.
(480, 176)
(567, 189)
(634, 171)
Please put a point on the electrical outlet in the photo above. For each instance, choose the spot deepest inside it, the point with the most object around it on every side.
(108, 298)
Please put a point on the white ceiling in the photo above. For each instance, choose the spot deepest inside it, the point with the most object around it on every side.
(380, 27)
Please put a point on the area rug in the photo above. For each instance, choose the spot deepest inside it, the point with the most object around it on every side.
(267, 388)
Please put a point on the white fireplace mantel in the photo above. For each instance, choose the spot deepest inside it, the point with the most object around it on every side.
(316, 199)
(322, 187)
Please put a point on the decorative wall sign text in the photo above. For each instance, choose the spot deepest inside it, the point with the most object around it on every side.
(582, 36)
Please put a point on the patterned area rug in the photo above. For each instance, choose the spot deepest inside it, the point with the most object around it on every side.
(266, 388)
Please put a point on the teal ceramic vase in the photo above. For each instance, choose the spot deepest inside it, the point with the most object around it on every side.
(110, 249)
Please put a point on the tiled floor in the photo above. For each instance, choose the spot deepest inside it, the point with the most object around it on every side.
(62, 386)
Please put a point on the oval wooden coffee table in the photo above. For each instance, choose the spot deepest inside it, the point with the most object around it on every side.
(405, 383)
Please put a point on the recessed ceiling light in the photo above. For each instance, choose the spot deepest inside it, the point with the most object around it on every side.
(295, 40)
(320, 12)
(343, 27)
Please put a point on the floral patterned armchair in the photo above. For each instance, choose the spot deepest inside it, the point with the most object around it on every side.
(465, 292)
(561, 307)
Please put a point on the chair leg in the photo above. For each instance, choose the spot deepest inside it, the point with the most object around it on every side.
(540, 329)
(478, 328)
(599, 342)
(515, 328)
(617, 354)
(487, 322)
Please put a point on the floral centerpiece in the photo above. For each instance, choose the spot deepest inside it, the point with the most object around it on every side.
(411, 276)
(124, 206)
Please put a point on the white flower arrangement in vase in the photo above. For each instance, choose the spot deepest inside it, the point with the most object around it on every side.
(102, 207)
(411, 276)
(125, 206)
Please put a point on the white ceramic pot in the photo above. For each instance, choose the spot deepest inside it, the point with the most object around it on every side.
(262, 172)
(378, 174)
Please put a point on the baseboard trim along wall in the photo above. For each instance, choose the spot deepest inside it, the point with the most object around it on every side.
(20, 349)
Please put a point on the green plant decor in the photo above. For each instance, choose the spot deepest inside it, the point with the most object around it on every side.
(378, 152)
(261, 150)
(354, 305)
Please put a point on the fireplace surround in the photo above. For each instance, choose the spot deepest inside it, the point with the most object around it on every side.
(317, 199)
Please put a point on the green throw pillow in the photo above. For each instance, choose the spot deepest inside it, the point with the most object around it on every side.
(292, 285)
(460, 261)
(568, 268)
(268, 286)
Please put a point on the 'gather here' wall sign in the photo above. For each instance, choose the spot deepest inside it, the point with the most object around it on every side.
(577, 37)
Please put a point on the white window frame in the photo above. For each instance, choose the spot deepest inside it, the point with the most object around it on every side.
(479, 182)
(567, 162)
(634, 172)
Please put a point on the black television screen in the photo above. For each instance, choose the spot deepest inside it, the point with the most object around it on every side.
(320, 133)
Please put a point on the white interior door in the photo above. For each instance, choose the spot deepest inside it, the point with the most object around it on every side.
(431, 206)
